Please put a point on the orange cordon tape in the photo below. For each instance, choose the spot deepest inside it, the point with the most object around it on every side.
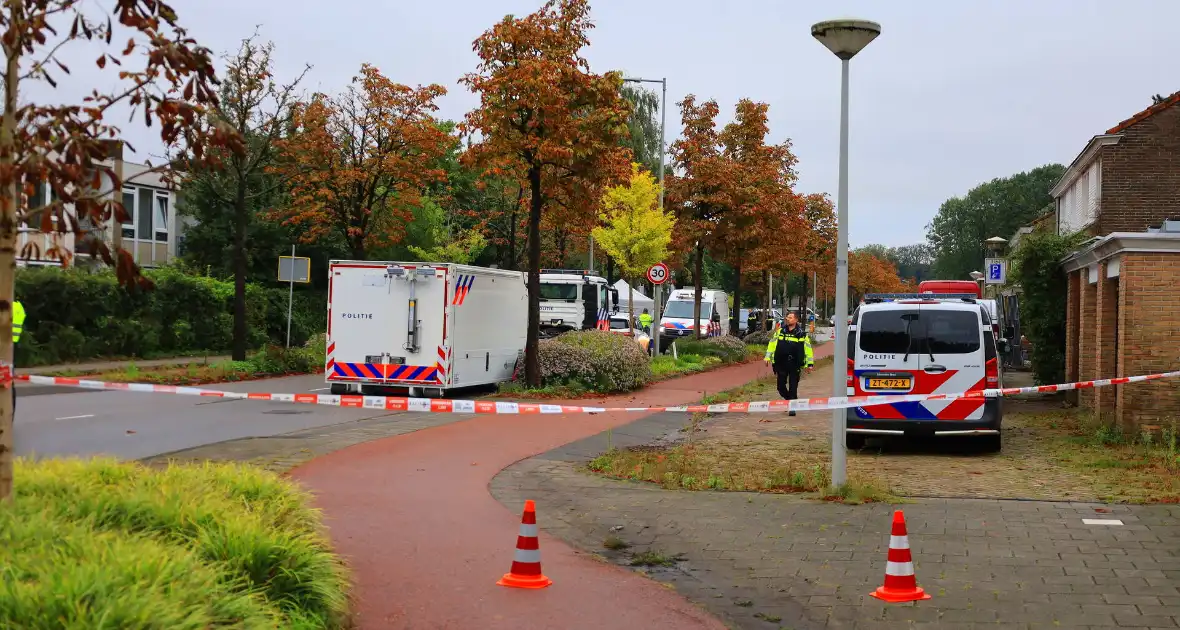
(446, 405)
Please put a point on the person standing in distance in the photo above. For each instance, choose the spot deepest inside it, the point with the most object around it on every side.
(645, 321)
(788, 353)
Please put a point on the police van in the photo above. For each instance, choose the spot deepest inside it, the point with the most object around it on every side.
(913, 343)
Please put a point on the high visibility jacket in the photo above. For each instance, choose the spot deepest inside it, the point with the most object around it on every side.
(644, 320)
(790, 349)
(18, 320)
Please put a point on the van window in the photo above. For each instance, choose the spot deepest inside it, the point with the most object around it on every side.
(950, 332)
(683, 309)
(888, 332)
(618, 324)
(566, 292)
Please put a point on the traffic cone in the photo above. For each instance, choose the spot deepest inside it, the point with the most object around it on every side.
(526, 563)
(900, 583)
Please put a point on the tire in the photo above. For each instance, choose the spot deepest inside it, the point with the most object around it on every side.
(339, 389)
(992, 443)
(854, 441)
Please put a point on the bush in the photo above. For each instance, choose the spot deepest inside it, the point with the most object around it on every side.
(104, 544)
(757, 338)
(1036, 268)
(726, 347)
(595, 360)
(75, 314)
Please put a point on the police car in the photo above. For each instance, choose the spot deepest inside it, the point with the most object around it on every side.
(912, 343)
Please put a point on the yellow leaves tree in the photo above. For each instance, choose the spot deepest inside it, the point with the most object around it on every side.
(637, 232)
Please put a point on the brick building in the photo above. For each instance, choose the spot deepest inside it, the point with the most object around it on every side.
(1123, 309)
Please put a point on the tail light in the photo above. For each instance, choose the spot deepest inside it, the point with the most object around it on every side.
(991, 373)
(851, 374)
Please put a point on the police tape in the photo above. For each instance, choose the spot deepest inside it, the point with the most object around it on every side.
(446, 405)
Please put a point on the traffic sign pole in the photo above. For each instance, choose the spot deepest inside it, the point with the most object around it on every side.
(290, 295)
(657, 274)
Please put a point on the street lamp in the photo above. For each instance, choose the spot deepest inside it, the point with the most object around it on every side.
(844, 38)
(663, 119)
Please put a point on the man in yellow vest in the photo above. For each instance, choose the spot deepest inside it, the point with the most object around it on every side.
(18, 326)
(789, 352)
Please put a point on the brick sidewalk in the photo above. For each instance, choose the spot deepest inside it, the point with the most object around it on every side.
(782, 561)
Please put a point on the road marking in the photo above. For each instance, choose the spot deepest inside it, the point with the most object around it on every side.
(1101, 521)
(319, 389)
(88, 415)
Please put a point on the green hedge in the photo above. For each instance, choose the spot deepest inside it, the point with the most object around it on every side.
(75, 315)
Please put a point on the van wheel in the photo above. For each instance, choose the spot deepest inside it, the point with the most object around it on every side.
(339, 389)
(854, 441)
(992, 443)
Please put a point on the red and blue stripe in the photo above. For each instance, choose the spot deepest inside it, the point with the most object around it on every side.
(462, 288)
(386, 371)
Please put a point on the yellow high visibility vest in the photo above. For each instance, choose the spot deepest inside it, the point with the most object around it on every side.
(18, 320)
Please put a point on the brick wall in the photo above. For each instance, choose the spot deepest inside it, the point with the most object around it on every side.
(1141, 175)
(1105, 337)
(1087, 352)
(1149, 321)
(1073, 300)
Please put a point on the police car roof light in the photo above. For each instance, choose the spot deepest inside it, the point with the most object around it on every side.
(890, 297)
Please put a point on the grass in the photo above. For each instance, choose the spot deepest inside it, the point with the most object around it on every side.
(273, 361)
(736, 467)
(1138, 466)
(758, 389)
(614, 543)
(653, 559)
(104, 544)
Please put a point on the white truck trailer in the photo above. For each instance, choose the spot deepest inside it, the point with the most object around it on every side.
(575, 299)
(422, 326)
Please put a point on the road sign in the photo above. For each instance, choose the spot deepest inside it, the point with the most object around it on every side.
(997, 270)
(658, 274)
(294, 269)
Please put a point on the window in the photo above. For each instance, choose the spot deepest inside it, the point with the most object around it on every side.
(951, 332)
(143, 214)
(888, 332)
(161, 216)
(603, 296)
(682, 309)
(617, 323)
(129, 206)
(565, 292)
(147, 212)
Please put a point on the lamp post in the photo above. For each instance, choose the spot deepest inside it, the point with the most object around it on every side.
(844, 38)
(655, 290)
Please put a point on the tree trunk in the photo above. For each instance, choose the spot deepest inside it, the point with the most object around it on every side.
(610, 270)
(532, 365)
(9, 202)
(803, 301)
(562, 237)
(737, 296)
(238, 351)
(631, 302)
(510, 258)
(698, 269)
(768, 303)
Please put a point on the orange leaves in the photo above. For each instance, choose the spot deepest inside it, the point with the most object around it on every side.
(870, 274)
(358, 163)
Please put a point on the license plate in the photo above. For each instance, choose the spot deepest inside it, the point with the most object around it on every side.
(888, 383)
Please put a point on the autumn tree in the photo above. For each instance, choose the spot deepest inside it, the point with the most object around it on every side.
(816, 253)
(637, 232)
(161, 74)
(544, 115)
(358, 162)
(259, 108)
(868, 273)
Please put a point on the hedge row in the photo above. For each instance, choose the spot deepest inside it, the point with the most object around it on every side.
(74, 315)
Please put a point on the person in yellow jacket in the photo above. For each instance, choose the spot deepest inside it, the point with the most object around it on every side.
(788, 353)
(18, 326)
(645, 321)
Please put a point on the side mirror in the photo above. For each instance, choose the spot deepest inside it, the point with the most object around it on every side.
(614, 297)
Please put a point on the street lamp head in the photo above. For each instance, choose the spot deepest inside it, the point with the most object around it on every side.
(845, 37)
(997, 240)
(976, 275)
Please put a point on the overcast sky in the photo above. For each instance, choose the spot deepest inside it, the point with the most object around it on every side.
(951, 95)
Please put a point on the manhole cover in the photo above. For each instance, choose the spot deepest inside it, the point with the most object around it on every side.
(286, 412)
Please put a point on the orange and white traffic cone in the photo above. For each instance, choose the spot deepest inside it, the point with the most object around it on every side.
(526, 563)
(900, 583)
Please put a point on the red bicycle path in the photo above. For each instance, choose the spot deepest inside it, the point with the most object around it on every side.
(425, 541)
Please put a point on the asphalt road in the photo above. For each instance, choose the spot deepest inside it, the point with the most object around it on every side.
(133, 425)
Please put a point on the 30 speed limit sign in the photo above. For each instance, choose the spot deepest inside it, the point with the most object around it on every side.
(658, 274)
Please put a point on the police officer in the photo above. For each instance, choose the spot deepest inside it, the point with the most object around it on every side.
(789, 352)
(645, 321)
(18, 326)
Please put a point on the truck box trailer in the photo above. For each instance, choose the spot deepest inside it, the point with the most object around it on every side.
(423, 326)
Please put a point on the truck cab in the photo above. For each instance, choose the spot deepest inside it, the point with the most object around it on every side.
(575, 299)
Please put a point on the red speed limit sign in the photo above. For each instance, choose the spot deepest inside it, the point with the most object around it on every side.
(658, 274)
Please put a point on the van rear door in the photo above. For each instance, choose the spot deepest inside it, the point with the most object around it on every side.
(953, 360)
(886, 359)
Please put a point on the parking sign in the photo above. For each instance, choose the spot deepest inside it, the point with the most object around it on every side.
(997, 271)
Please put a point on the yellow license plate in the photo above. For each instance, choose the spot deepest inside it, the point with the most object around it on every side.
(889, 383)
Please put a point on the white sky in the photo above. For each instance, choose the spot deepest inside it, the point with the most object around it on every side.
(951, 95)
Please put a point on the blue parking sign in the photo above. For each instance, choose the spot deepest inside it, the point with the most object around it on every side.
(995, 272)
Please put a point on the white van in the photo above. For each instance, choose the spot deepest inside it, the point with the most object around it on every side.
(910, 343)
(677, 318)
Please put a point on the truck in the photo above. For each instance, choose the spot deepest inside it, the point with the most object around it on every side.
(425, 327)
(575, 299)
(677, 318)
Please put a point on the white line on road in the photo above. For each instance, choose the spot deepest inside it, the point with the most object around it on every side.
(320, 389)
(1101, 521)
(88, 415)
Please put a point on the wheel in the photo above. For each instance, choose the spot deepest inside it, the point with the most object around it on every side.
(854, 441)
(992, 443)
(339, 389)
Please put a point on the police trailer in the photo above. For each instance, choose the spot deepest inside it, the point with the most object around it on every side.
(428, 327)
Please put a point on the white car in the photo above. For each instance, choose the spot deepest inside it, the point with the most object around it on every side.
(923, 344)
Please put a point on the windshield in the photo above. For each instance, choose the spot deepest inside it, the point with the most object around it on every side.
(566, 292)
(683, 309)
(936, 331)
(618, 324)
(887, 332)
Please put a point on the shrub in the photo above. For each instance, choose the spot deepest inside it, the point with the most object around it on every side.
(1036, 268)
(99, 543)
(757, 338)
(76, 314)
(595, 360)
(726, 347)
